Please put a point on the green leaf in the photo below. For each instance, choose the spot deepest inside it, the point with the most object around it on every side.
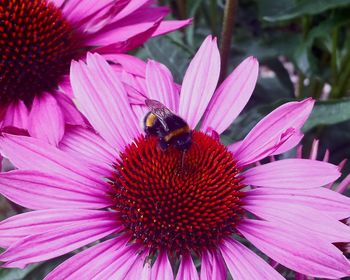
(272, 7)
(307, 7)
(328, 113)
(15, 273)
(171, 52)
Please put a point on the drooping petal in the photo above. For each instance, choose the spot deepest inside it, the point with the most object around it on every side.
(244, 264)
(90, 261)
(41, 221)
(16, 115)
(103, 100)
(273, 131)
(200, 82)
(292, 173)
(130, 43)
(160, 85)
(187, 269)
(322, 199)
(306, 218)
(46, 120)
(38, 190)
(59, 241)
(170, 25)
(232, 96)
(161, 269)
(70, 113)
(29, 153)
(133, 29)
(212, 266)
(84, 144)
(296, 249)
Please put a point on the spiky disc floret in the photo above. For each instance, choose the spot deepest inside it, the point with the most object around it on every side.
(178, 205)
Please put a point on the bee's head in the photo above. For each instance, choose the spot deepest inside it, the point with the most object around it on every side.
(183, 142)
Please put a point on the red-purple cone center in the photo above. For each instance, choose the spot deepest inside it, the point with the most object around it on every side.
(36, 47)
(174, 204)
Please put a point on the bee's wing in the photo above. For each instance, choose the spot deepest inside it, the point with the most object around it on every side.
(160, 110)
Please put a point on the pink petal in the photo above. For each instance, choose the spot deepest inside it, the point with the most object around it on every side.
(306, 218)
(34, 154)
(161, 269)
(273, 131)
(70, 113)
(131, 8)
(80, 265)
(296, 249)
(130, 64)
(187, 269)
(65, 86)
(243, 264)
(59, 241)
(139, 269)
(343, 185)
(212, 266)
(200, 82)
(292, 173)
(123, 262)
(38, 190)
(323, 200)
(232, 96)
(103, 100)
(170, 25)
(290, 143)
(77, 11)
(84, 144)
(46, 119)
(140, 22)
(103, 17)
(160, 85)
(16, 115)
(145, 13)
(38, 222)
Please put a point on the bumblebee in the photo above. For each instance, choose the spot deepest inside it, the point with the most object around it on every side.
(170, 129)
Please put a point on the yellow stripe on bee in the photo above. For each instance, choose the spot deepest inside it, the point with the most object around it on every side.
(176, 132)
(150, 119)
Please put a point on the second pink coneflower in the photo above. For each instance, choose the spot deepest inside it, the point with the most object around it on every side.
(38, 40)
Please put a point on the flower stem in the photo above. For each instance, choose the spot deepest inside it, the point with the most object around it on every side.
(334, 55)
(213, 16)
(343, 81)
(181, 5)
(227, 28)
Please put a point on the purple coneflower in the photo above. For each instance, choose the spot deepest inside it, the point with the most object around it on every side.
(155, 215)
(38, 40)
